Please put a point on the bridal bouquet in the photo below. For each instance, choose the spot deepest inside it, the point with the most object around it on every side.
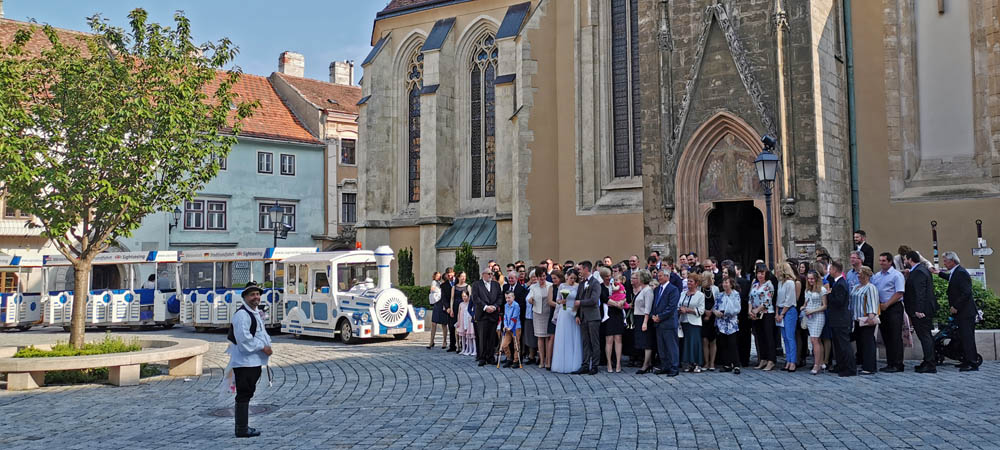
(564, 293)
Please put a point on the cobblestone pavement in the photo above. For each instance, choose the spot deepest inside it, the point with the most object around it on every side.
(397, 394)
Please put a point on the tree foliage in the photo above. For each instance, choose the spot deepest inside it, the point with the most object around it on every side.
(105, 128)
(404, 266)
(465, 261)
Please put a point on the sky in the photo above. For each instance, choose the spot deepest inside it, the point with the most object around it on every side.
(322, 30)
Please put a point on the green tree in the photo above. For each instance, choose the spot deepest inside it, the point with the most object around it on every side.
(465, 261)
(101, 130)
(404, 269)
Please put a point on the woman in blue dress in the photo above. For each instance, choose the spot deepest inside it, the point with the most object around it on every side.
(567, 352)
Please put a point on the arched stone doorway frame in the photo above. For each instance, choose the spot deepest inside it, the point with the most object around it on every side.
(692, 213)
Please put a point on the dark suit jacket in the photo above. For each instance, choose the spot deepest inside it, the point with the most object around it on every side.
(869, 252)
(446, 299)
(520, 296)
(629, 293)
(676, 281)
(589, 300)
(838, 313)
(960, 292)
(665, 300)
(481, 298)
(919, 295)
(744, 288)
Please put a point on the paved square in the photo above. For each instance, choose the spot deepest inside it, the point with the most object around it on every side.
(397, 394)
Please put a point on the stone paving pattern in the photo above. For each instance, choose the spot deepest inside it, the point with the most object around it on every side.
(397, 394)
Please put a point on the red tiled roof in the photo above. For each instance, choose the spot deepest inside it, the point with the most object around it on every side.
(273, 120)
(320, 93)
(38, 40)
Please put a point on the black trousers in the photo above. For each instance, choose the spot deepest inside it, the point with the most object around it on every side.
(591, 331)
(764, 334)
(246, 382)
(727, 353)
(802, 337)
(842, 347)
(922, 328)
(451, 335)
(743, 340)
(866, 348)
(967, 334)
(486, 334)
(892, 334)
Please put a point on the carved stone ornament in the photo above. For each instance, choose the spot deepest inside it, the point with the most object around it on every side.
(718, 13)
(788, 208)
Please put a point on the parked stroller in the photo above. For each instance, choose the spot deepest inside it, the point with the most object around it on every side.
(947, 344)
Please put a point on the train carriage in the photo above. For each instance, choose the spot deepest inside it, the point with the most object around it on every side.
(346, 294)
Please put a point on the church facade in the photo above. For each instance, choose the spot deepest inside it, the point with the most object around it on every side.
(578, 128)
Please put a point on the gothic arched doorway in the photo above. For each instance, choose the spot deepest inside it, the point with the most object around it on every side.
(736, 232)
(717, 168)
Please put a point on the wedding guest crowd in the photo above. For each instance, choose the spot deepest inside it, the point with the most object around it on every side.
(698, 315)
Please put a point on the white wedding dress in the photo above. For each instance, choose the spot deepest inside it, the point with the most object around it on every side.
(567, 351)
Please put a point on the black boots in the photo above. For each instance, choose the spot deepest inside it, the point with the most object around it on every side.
(242, 414)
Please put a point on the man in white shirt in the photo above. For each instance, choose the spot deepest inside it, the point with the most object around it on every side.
(249, 349)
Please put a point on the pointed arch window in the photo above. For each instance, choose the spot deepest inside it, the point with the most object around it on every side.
(482, 86)
(414, 83)
(627, 153)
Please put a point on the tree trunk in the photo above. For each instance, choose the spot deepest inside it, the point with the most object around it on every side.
(81, 290)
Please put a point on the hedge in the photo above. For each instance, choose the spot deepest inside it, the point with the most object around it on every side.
(989, 300)
(416, 295)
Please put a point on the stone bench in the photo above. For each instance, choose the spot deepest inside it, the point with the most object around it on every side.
(184, 357)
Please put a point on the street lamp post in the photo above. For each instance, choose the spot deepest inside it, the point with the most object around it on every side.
(277, 215)
(177, 219)
(767, 169)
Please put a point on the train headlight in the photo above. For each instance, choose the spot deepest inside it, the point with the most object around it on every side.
(366, 318)
(421, 312)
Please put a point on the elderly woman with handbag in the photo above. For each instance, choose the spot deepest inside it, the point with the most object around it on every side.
(864, 303)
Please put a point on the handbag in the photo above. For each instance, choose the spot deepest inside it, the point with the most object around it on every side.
(434, 296)
(803, 322)
(864, 321)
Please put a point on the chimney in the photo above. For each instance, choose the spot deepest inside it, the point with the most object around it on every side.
(342, 72)
(291, 63)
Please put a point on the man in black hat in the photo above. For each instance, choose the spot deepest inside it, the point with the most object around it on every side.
(249, 350)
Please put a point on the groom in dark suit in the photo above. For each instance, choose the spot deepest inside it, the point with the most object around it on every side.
(664, 314)
(487, 298)
(588, 315)
(963, 307)
(838, 315)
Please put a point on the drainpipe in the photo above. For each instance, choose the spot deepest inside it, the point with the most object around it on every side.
(852, 114)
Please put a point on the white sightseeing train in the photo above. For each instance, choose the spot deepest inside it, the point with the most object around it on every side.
(346, 293)
(19, 309)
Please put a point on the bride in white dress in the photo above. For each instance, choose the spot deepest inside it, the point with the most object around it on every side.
(567, 352)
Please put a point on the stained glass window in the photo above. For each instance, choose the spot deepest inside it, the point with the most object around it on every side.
(625, 94)
(414, 83)
(482, 90)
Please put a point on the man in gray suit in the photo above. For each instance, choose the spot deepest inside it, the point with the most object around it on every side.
(588, 315)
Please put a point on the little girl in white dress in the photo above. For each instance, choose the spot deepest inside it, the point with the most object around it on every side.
(464, 327)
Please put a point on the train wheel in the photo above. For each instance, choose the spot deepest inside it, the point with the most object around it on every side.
(168, 326)
(400, 337)
(23, 327)
(346, 334)
(67, 328)
(201, 329)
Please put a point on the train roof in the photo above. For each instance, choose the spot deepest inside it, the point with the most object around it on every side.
(341, 257)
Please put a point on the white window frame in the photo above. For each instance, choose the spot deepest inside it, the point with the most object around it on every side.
(282, 159)
(269, 160)
(199, 212)
(209, 213)
(264, 218)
